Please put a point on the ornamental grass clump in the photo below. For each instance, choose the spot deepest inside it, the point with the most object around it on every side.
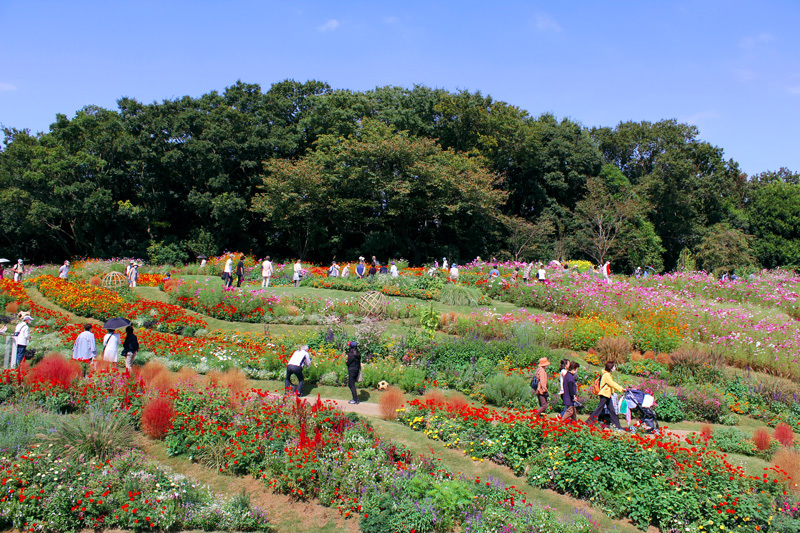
(783, 433)
(94, 435)
(459, 295)
(390, 402)
(762, 439)
(157, 417)
(54, 370)
(788, 460)
(691, 364)
(616, 349)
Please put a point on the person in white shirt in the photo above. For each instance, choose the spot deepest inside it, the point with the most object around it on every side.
(228, 271)
(346, 270)
(444, 263)
(63, 272)
(85, 348)
(393, 271)
(454, 273)
(298, 268)
(18, 269)
(22, 336)
(333, 272)
(128, 272)
(541, 274)
(266, 272)
(111, 342)
(299, 359)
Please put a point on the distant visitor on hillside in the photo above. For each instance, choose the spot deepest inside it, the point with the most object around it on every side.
(454, 273)
(346, 270)
(85, 348)
(297, 273)
(239, 272)
(18, 269)
(227, 272)
(526, 274)
(353, 369)
(333, 271)
(266, 272)
(63, 272)
(393, 271)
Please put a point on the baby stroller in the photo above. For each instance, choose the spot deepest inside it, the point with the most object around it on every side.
(637, 402)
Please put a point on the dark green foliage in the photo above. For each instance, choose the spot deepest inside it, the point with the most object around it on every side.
(304, 170)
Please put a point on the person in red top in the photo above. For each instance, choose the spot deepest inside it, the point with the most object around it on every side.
(541, 389)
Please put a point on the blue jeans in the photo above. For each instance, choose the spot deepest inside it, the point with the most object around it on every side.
(20, 354)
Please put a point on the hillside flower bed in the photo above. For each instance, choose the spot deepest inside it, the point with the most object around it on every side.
(650, 479)
(315, 451)
(383, 283)
(45, 492)
(46, 319)
(102, 304)
(263, 305)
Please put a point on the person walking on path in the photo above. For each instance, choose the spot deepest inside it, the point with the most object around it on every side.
(299, 359)
(130, 348)
(266, 272)
(606, 271)
(540, 381)
(562, 372)
(18, 269)
(297, 273)
(607, 386)
(133, 274)
(239, 272)
(227, 272)
(570, 392)
(22, 336)
(111, 342)
(353, 369)
(63, 272)
(85, 348)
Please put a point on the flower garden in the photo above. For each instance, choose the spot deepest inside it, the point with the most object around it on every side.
(721, 359)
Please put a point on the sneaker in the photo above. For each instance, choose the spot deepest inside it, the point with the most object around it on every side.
(353, 402)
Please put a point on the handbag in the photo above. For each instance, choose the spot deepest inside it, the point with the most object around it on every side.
(360, 376)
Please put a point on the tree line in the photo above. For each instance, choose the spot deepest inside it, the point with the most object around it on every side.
(303, 170)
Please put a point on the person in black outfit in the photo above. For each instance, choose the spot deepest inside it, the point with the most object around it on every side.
(239, 273)
(372, 271)
(353, 369)
(130, 347)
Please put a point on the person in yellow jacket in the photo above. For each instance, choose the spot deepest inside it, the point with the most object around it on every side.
(607, 383)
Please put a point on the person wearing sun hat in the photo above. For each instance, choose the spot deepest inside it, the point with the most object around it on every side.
(22, 336)
(18, 269)
(540, 384)
(63, 272)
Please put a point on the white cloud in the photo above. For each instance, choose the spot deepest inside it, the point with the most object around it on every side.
(795, 89)
(750, 42)
(7, 86)
(699, 117)
(391, 20)
(547, 23)
(330, 25)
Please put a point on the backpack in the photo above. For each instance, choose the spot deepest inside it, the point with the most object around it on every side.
(535, 382)
(596, 386)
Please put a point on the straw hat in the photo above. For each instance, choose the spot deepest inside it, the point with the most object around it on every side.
(544, 361)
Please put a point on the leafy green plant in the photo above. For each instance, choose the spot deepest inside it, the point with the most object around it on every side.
(505, 390)
(428, 319)
(669, 407)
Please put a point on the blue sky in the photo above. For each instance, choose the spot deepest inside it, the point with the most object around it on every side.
(730, 67)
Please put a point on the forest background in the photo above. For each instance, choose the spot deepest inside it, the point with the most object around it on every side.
(304, 170)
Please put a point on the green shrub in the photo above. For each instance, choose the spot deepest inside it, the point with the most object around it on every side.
(643, 368)
(412, 378)
(669, 407)
(502, 390)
